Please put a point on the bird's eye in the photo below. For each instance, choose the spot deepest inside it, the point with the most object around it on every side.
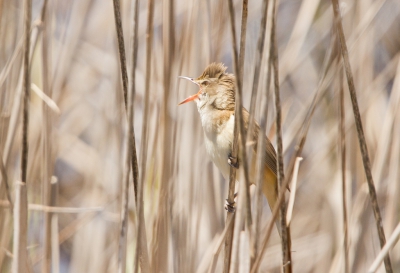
(204, 83)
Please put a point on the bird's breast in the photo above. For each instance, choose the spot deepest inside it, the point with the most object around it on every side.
(218, 142)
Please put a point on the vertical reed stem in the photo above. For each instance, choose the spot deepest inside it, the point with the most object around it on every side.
(46, 139)
(360, 132)
(342, 133)
(141, 232)
(286, 244)
(20, 259)
(21, 203)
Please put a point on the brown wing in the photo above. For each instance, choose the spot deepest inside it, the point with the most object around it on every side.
(270, 158)
(269, 184)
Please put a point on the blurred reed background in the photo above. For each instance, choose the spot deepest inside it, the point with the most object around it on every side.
(78, 136)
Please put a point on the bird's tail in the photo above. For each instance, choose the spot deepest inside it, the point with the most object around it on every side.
(270, 190)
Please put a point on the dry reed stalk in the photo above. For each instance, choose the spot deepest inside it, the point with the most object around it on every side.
(134, 38)
(122, 246)
(13, 123)
(342, 138)
(239, 98)
(20, 259)
(5, 181)
(162, 233)
(360, 132)
(298, 148)
(130, 152)
(235, 148)
(141, 240)
(293, 191)
(55, 209)
(260, 167)
(285, 234)
(258, 61)
(238, 61)
(9, 134)
(121, 49)
(26, 88)
(218, 246)
(55, 244)
(46, 136)
(261, 141)
(270, 225)
(236, 258)
(244, 204)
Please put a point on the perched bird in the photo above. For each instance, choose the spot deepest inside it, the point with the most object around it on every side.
(216, 105)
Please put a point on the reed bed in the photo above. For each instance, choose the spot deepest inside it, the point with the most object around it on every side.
(101, 171)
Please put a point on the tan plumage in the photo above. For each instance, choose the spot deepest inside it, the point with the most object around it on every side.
(216, 105)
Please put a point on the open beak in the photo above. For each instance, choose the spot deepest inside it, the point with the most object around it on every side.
(195, 96)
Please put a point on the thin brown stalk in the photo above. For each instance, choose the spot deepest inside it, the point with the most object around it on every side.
(135, 25)
(239, 99)
(55, 251)
(162, 235)
(326, 74)
(218, 246)
(16, 107)
(342, 133)
(5, 181)
(141, 242)
(21, 211)
(360, 132)
(270, 225)
(238, 229)
(54, 209)
(257, 69)
(260, 167)
(20, 229)
(121, 49)
(122, 246)
(232, 175)
(293, 191)
(244, 205)
(130, 156)
(26, 88)
(46, 138)
(286, 242)
(239, 126)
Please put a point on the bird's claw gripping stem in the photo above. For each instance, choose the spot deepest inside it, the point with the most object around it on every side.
(232, 159)
(230, 207)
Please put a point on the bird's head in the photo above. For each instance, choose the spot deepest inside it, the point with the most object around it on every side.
(217, 89)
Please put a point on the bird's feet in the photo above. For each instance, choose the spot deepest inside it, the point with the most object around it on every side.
(233, 162)
(230, 206)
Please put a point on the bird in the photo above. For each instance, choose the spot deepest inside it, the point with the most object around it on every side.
(216, 105)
